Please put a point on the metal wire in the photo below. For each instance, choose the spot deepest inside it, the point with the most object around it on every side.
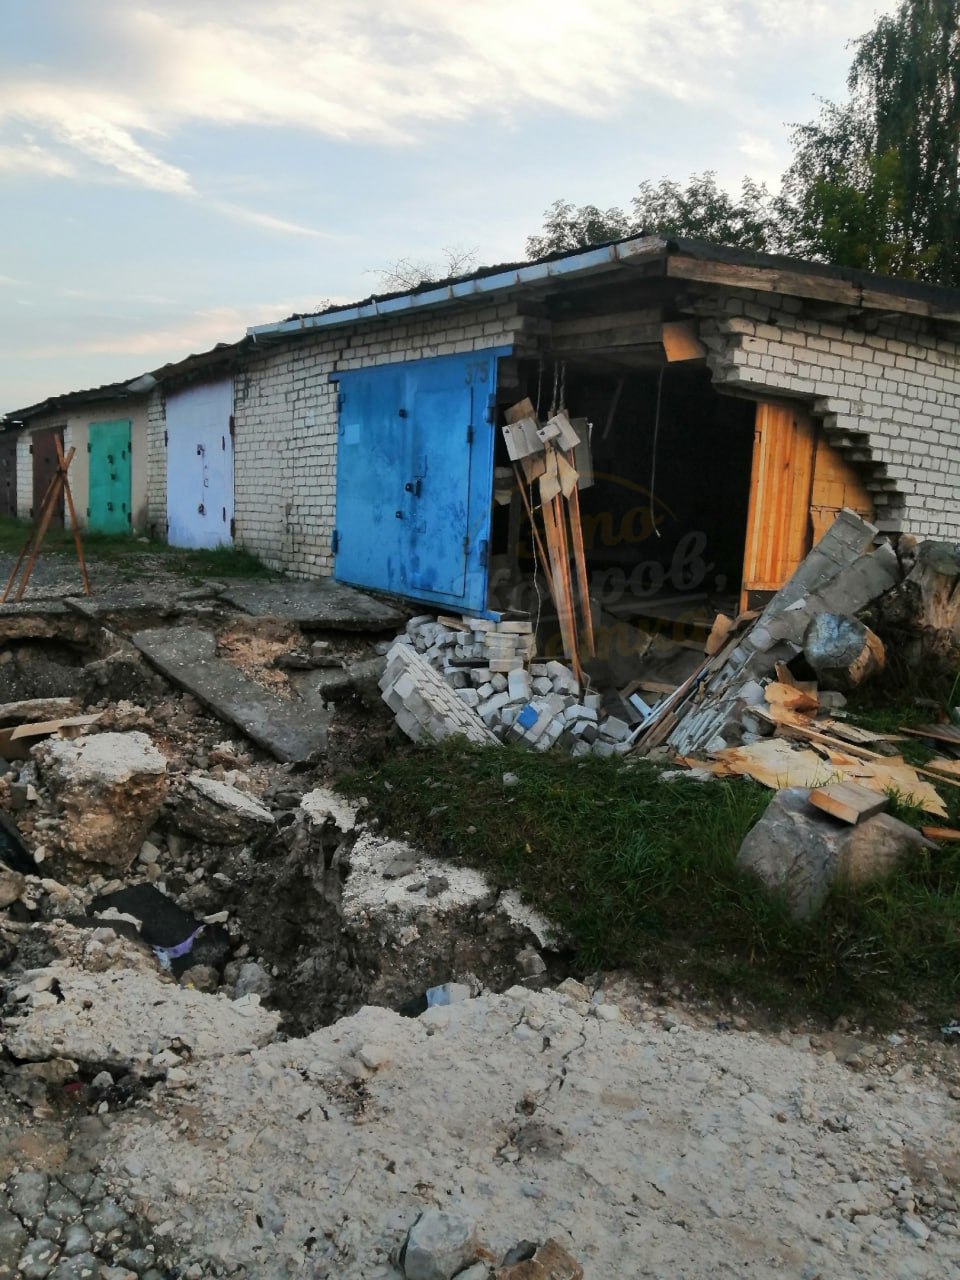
(653, 464)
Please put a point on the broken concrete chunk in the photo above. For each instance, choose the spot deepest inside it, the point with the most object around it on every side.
(439, 1245)
(325, 805)
(110, 787)
(12, 886)
(799, 852)
(842, 651)
(114, 1018)
(219, 814)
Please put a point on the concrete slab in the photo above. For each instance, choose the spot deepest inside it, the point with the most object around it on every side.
(151, 597)
(322, 603)
(188, 657)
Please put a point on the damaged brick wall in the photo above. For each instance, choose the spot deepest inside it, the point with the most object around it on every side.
(888, 399)
(286, 425)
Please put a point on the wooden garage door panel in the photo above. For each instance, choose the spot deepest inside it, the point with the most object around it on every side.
(778, 523)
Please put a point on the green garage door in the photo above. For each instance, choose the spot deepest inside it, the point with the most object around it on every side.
(109, 509)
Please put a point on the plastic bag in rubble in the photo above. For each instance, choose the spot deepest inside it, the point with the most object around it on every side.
(447, 993)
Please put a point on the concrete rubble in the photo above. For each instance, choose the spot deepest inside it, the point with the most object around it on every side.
(109, 788)
(843, 573)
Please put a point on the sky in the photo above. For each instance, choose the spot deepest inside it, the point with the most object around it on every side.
(172, 171)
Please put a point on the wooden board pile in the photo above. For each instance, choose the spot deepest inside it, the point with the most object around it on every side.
(545, 458)
(789, 713)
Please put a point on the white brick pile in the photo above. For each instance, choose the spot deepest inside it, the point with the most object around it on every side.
(425, 706)
(486, 667)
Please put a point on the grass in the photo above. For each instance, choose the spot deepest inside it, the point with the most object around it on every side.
(641, 874)
(126, 552)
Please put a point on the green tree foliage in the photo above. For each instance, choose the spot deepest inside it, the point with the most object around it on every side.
(701, 210)
(567, 227)
(874, 182)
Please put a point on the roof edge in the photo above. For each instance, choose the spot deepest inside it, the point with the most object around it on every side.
(583, 262)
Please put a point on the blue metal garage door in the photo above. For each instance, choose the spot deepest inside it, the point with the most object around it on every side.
(414, 471)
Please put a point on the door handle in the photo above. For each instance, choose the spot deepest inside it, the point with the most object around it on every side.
(413, 486)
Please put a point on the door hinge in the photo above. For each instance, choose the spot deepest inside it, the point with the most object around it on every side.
(470, 434)
(89, 447)
(491, 414)
(31, 448)
(233, 527)
(341, 399)
(233, 426)
(466, 545)
(335, 541)
(166, 439)
(88, 513)
(484, 553)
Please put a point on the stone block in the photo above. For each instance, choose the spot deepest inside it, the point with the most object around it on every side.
(798, 852)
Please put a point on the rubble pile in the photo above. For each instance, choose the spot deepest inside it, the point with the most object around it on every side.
(501, 694)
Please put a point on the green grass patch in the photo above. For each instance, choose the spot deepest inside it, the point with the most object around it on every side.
(126, 550)
(641, 874)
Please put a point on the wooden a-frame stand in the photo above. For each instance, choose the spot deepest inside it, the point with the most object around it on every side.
(59, 484)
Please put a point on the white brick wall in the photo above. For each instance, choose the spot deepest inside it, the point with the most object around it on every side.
(156, 465)
(24, 476)
(285, 446)
(890, 398)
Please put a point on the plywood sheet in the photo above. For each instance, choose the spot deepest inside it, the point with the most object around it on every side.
(774, 763)
(836, 484)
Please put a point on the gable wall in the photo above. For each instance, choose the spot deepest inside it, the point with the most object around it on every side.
(890, 399)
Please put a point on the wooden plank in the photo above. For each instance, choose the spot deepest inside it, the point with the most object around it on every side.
(938, 732)
(942, 765)
(722, 626)
(804, 285)
(522, 409)
(564, 605)
(680, 341)
(635, 335)
(944, 835)
(579, 325)
(836, 484)
(15, 743)
(778, 517)
(848, 801)
(765, 279)
(583, 577)
(790, 697)
(773, 762)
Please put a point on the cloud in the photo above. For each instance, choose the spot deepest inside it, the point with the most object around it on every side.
(29, 158)
(195, 331)
(268, 221)
(348, 69)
